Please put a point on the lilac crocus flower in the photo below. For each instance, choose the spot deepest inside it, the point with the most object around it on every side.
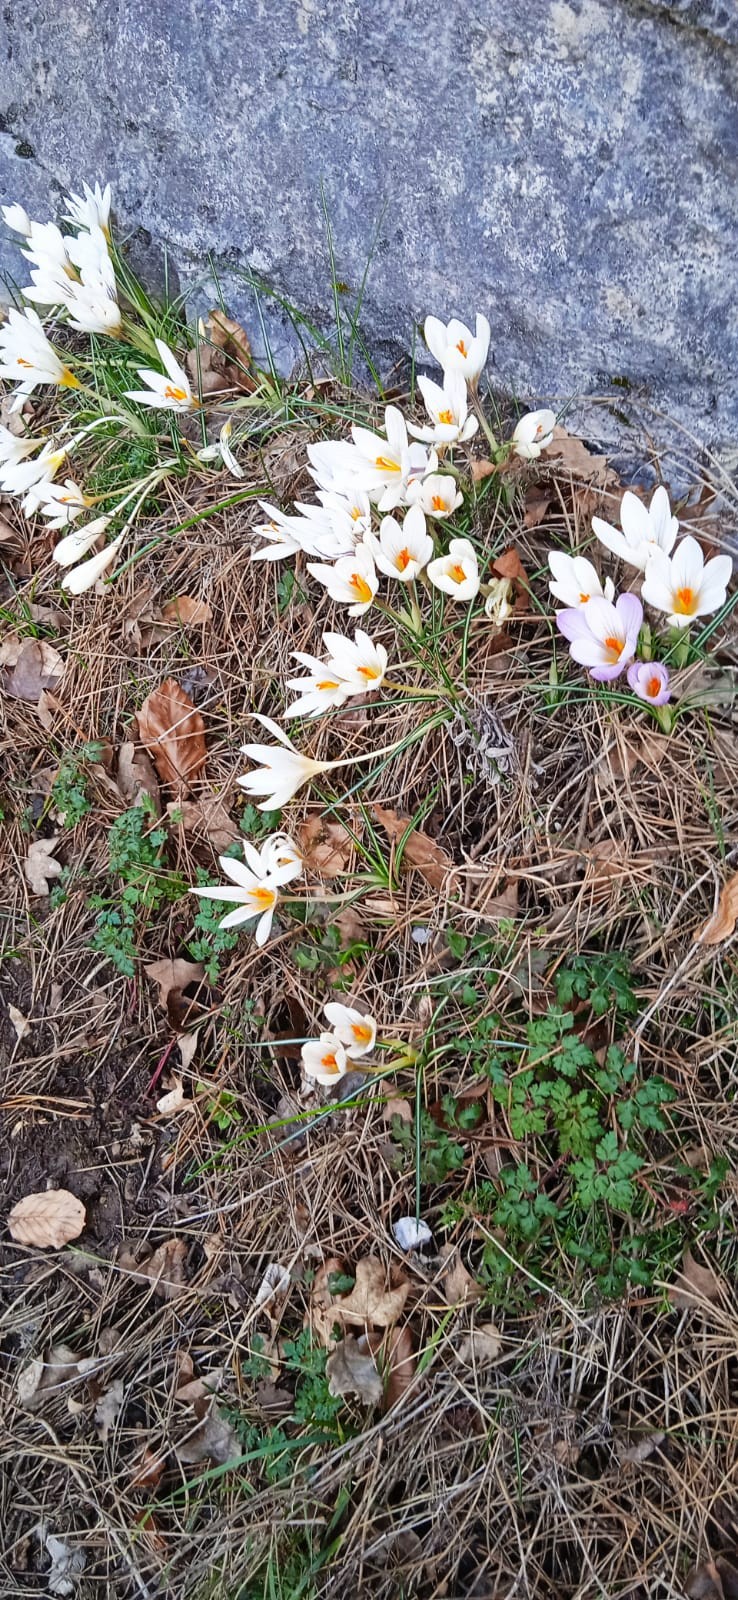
(603, 636)
(650, 681)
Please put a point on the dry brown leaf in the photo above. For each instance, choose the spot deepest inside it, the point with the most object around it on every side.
(325, 846)
(694, 1284)
(716, 1580)
(458, 1285)
(535, 505)
(566, 450)
(187, 1044)
(640, 1449)
(509, 565)
(353, 1370)
(228, 335)
(419, 849)
(148, 1469)
(207, 815)
(43, 1379)
(400, 1365)
(136, 776)
(722, 922)
(173, 976)
(40, 865)
(173, 1100)
(174, 734)
(481, 469)
(322, 1313)
(370, 1301)
(397, 1107)
(164, 1269)
(108, 1407)
(214, 1440)
(482, 1347)
(20, 1023)
(190, 613)
(47, 1220)
(30, 666)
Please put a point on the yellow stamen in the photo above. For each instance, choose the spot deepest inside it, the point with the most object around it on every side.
(68, 380)
(685, 602)
(402, 561)
(462, 347)
(171, 393)
(264, 897)
(457, 573)
(361, 1033)
(327, 683)
(387, 464)
(583, 598)
(329, 1063)
(438, 503)
(614, 647)
(360, 587)
(356, 513)
(446, 417)
(370, 673)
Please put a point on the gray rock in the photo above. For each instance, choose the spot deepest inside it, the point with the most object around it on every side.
(567, 167)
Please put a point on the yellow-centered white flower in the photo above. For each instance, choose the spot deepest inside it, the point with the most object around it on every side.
(281, 769)
(255, 892)
(14, 449)
(355, 1030)
(75, 545)
(167, 391)
(457, 348)
(684, 585)
(221, 451)
(90, 209)
(533, 433)
(353, 666)
(336, 465)
(92, 304)
(52, 271)
(84, 577)
(279, 530)
(279, 853)
(575, 580)
(438, 495)
(457, 573)
(31, 478)
(324, 1059)
(62, 503)
(352, 581)
(402, 551)
(27, 356)
(646, 530)
(448, 409)
(389, 465)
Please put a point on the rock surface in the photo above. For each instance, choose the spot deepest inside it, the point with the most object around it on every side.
(570, 168)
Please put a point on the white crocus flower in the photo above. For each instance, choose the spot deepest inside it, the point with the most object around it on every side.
(76, 544)
(355, 1030)
(352, 581)
(92, 304)
(575, 579)
(359, 662)
(456, 348)
(279, 853)
(52, 272)
(646, 530)
(279, 530)
(335, 465)
(533, 433)
(63, 503)
(391, 464)
(31, 478)
(438, 495)
(447, 407)
(353, 504)
(26, 356)
(91, 210)
(402, 551)
(221, 451)
(255, 893)
(326, 533)
(457, 573)
(281, 771)
(15, 448)
(16, 218)
(324, 1059)
(684, 585)
(322, 690)
(167, 391)
(499, 604)
(84, 577)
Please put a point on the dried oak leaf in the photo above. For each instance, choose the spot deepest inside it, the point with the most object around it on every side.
(147, 1470)
(353, 1370)
(535, 505)
(419, 849)
(171, 977)
(483, 468)
(40, 865)
(458, 1285)
(400, 1365)
(322, 1314)
(136, 776)
(207, 815)
(228, 335)
(190, 613)
(165, 1269)
(482, 1347)
(42, 1380)
(20, 1023)
(47, 1220)
(566, 450)
(325, 846)
(29, 666)
(694, 1284)
(722, 922)
(370, 1301)
(174, 734)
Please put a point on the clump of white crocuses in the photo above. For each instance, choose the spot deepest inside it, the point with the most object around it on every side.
(349, 1038)
(255, 883)
(606, 632)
